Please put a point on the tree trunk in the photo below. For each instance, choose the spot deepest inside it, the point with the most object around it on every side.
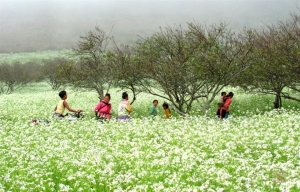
(134, 94)
(206, 108)
(277, 102)
(100, 93)
(133, 99)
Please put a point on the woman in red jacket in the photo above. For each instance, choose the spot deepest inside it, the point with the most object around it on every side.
(227, 104)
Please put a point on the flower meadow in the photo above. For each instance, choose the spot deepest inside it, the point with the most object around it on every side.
(249, 152)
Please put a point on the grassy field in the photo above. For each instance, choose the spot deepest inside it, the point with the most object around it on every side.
(37, 57)
(256, 149)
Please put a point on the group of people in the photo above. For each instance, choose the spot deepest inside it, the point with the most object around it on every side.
(103, 108)
(223, 105)
(153, 109)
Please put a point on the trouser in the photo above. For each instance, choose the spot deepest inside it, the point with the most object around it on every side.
(58, 115)
(226, 115)
(123, 118)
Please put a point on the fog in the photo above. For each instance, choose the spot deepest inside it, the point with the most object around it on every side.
(32, 25)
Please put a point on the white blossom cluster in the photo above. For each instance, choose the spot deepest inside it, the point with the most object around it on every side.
(195, 153)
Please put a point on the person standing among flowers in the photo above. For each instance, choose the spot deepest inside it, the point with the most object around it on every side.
(227, 104)
(124, 108)
(103, 108)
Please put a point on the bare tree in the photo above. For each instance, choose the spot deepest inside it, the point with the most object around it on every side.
(183, 66)
(127, 69)
(166, 57)
(291, 29)
(276, 61)
(15, 76)
(55, 72)
(92, 70)
(221, 57)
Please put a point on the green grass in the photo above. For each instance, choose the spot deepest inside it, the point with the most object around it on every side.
(36, 57)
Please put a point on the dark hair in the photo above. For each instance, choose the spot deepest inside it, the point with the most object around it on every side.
(108, 95)
(230, 94)
(124, 95)
(62, 94)
(155, 100)
(222, 93)
(165, 105)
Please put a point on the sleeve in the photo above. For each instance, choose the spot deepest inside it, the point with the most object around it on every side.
(129, 108)
(98, 106)
(109, 108)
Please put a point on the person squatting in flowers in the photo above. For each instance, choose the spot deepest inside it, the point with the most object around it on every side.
(153, 109)
(62, 104)
(124, 108)
(167, 110)
(103, 108)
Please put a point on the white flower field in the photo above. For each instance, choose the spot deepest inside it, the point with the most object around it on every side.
(250, 152)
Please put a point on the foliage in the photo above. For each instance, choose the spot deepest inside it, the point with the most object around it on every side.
(275, 61)
(15, 76)
(221, 57)
(56, 72)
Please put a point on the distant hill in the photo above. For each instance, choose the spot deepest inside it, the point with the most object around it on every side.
(28, 26)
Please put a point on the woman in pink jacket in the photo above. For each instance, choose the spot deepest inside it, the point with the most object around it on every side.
(103, 108)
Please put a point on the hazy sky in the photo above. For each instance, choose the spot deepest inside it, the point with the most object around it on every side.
(59, 23)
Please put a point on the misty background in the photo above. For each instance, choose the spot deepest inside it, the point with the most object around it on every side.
(32, 25)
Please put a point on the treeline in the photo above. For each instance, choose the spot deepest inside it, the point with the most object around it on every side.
(182, 66)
